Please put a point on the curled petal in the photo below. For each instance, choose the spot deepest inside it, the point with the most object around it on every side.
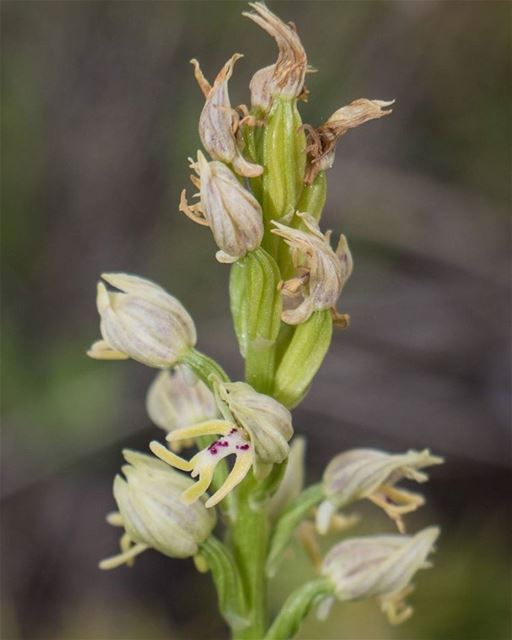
(321, 271)
(285, 78)
(217, 123)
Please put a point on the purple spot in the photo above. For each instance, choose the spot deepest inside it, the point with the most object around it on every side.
(213, 451)
(233, 431)
(244, 447)
(213, 445)
(224, 443)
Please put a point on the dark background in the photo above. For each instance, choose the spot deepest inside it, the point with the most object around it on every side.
(99, 115)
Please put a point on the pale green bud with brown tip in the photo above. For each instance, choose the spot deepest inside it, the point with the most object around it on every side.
(379, 566)
(368, 473)
(141, 321)
(218, 121)
(152, 514)
(284, 78)
(227, 207)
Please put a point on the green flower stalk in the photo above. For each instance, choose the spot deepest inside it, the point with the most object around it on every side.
(261, 188)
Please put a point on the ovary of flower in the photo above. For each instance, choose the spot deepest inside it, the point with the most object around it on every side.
(218, 121)
(285, 78)
(234, 441)
(321, 272)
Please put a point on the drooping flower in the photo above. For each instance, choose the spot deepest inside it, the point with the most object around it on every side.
(218, 121)
(177, 399)
(284, 78)
(322, 141)
(256, 429)
(141, 321)
(379, 566)
(372, 474)
(152, 514)
(321, 272)
(227, 207)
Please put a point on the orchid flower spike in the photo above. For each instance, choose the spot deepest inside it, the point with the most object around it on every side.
(256, 429)
(379, 566)
(284, 78)
(152, 514)
(321, 272)
(141, 321)
(322, 141)
(227, 207)
(218, 121)
(177, 399)
(368, 473)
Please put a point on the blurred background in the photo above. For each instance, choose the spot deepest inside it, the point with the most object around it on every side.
(99, 114)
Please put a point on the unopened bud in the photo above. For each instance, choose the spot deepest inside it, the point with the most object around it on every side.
(381, 566)
(228, 208)
(322, 141)
(141, 321)
(285, 78)
(368, 473)
(218, 120)
(321, 272)
(152, 514)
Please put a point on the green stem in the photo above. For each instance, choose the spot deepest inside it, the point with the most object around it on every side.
(297, 607)
(249, 536)
(227, 582)
(204, 366)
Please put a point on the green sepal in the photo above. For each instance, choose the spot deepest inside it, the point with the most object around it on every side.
(256, 310)
(312, 199)
(296, 608)
(302, 358)
(253, 149)
(284, 159)
(288, 522)
(227, 582)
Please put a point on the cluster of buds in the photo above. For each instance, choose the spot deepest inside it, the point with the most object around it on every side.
(261, 189)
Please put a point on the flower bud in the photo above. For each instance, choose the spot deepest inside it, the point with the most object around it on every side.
(285, 78)
(368, 473)
(321, 271)
(322, 141)
(268, 423)
(152, 514)
(378, 566)
(177, 399)
(228, 208)
(218, 121)
(255, 429)
(141, 321)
